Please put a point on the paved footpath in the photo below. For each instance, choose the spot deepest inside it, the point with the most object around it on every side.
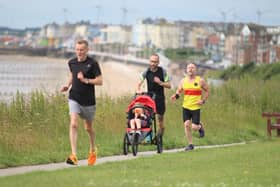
(101, 160)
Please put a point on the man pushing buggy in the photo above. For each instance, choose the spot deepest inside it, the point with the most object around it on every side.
(157, 80)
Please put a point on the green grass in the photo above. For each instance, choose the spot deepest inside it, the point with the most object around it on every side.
(34, 129)
(253, 164)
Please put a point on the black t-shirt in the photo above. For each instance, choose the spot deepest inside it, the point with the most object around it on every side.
(83, 93)
(153, 86)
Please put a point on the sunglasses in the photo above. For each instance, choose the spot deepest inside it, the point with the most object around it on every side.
(154, 61)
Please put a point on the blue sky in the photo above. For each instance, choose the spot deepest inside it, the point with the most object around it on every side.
(36, 13)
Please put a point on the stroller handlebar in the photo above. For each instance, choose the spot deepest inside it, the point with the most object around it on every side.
(151, 94)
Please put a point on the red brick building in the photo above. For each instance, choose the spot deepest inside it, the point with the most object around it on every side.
(253, 46)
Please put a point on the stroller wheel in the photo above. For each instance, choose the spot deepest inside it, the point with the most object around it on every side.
(125, 144)
(159, 143)
(135, 143)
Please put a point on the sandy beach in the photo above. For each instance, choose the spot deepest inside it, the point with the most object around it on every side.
(118, 78)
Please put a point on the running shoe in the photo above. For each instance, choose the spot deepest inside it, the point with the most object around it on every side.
(201, 131)
(92, 158)
(72, 160)
(189, 147)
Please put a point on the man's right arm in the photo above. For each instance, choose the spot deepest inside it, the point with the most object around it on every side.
(139, 85)
(140, 82)
(68, 84)
(178, 91)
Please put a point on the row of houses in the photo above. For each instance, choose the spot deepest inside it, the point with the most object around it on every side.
(239, 42)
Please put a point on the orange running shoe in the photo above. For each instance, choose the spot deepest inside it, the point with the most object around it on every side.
(72, 159)
(92, 158)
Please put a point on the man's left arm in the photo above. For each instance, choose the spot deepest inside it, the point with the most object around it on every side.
(205, 89)
(166, 82)
(96, 81)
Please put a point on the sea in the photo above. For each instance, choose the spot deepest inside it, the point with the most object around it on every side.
(31, 75)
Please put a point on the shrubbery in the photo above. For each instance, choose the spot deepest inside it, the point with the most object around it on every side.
(261, 72)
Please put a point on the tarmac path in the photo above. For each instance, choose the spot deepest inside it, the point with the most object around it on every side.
(101, 160)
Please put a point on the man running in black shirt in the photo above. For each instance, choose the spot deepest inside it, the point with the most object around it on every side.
(85, 73)
(157, 80)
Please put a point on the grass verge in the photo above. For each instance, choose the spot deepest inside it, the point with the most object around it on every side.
(253, 164)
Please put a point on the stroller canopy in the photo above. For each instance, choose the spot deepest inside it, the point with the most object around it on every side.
(144, 100)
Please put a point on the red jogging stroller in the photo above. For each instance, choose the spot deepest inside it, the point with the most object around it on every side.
(148, 128)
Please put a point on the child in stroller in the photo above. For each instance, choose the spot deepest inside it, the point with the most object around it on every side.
(139, 119)
(140, 113)
(141, 123)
